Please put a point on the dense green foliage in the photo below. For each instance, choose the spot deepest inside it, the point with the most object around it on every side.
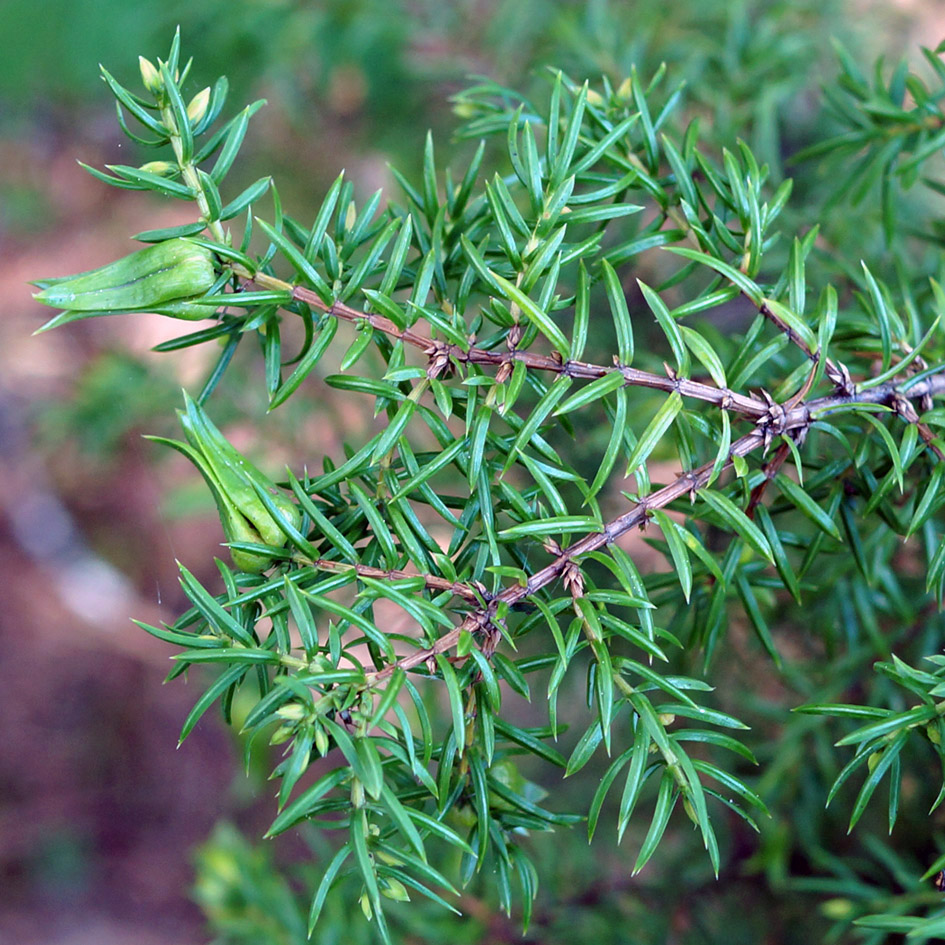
(595, 297)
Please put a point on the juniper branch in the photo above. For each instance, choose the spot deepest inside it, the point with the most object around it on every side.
(441, 353)
(474, 592)
(794, 422)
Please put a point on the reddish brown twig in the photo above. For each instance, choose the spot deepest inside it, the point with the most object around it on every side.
(771, 420)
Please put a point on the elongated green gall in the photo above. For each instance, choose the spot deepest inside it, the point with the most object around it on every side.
(166, 272)
(234, 481)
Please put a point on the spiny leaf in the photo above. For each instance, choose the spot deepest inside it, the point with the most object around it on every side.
(738, 521)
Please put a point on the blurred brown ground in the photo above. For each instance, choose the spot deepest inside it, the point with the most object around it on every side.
(98, 813)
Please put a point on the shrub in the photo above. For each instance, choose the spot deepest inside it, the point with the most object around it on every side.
(618, 303)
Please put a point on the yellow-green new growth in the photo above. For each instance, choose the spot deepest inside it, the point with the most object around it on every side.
(235, 484)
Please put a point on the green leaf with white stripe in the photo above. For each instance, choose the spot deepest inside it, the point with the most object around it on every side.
(620, 313)
(677, 550)
(705, 353)
(541, 319)
(651, 436)
(669, 326)
(738, 522)
(596, 390)
(798, 497)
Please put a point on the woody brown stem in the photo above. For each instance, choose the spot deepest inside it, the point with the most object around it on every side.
(444, 352)
(770, 470)
(771, 419)
(903, 407)
(475, 594)
(796, 420)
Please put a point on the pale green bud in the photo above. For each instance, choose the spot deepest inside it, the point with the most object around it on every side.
(395, 889)
(197, 107)
(161, 168)
(837, 909)
(150, 76)
(292, 712)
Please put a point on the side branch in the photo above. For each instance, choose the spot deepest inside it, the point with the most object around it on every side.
(562, 564)
(771, 419)
(442, 353)
(474, 592)
(635, 518)
(795, 421)
(752, 407)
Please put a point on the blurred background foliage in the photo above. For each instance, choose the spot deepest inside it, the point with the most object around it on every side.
(103, 826)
